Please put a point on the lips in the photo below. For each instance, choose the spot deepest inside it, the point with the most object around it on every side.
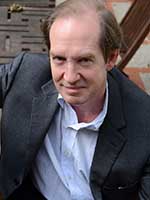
(72, 89)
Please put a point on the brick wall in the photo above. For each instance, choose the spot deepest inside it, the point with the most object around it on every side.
(20, 29)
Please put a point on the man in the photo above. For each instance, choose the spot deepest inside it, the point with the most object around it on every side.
(84, 133)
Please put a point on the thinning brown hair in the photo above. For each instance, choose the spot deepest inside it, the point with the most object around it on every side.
(110, 37)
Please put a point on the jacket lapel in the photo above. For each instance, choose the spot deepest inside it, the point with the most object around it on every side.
(43, 109)
(110, 140)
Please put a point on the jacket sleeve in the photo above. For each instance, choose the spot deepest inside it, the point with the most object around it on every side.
(7, 75)
(144, 191)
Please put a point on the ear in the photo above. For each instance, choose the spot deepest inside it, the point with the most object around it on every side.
(111, 61)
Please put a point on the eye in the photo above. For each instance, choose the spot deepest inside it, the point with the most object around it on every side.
(58, 59)
(85, 61)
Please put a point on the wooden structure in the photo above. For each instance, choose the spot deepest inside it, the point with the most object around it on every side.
(135, 26)
(20, 26)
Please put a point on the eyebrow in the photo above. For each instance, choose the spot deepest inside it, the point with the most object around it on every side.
(82, 55)
(88, 55)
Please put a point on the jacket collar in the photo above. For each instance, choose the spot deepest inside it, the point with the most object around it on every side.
(49, 88)
(44, 107)
(115, 112)
(110, 140)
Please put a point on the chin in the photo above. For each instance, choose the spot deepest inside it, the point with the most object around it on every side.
(73, 100)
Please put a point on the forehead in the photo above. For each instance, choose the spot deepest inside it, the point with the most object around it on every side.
(79, 29)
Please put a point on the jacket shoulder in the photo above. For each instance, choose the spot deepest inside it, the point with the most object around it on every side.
(126, 85)
(28, 70)
(134, 100)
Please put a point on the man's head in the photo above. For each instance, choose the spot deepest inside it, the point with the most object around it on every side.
(110, 35)
(76, 37)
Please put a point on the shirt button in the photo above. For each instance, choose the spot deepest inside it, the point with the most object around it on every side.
(69, 177)
(66, 153)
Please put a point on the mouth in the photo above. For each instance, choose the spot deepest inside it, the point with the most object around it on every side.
(73, 89)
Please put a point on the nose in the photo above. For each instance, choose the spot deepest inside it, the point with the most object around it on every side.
(71, 74)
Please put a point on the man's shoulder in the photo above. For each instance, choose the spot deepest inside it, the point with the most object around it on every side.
(125, 84)
(133, 98)
(32, 64)
(36, 58)
(31, 70)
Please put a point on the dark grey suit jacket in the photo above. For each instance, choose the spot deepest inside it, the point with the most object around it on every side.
(121, 164)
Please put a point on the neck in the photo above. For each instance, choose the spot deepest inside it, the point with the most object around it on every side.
(88, 113)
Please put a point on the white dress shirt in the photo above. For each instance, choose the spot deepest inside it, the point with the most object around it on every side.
(68, 148)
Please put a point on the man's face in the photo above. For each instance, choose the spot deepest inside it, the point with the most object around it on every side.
(77, 63)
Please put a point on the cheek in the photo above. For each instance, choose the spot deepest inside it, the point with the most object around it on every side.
(57, 74)
(99, 78)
